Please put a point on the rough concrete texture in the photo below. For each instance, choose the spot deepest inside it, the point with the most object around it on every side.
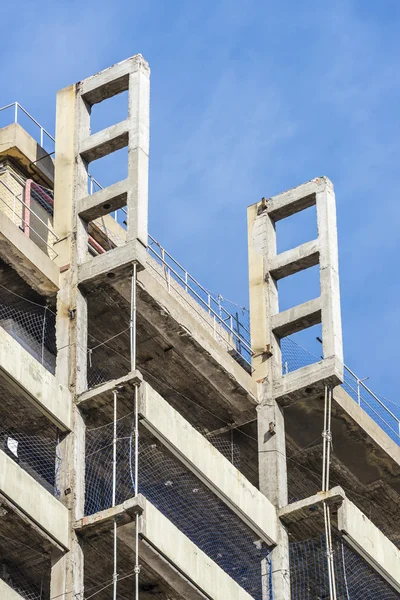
(173, 319)
(17, 144)
(102, 521)
(7, 593)
(184, 555)
(293, 513)
(370, 542)
(37, 384)
(193, 449)
(115, 265)
(28, 495)
(266, 266)
(27, 258)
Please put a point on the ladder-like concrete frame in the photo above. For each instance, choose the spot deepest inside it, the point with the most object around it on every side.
(267, 267)
(76, 147)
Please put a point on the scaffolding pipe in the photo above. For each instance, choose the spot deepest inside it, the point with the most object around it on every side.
(136, 417)
(132, 323)
(326, 457)
(114, 486)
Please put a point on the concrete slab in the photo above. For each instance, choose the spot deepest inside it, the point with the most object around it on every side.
(7, 593)
(23, 255)
(297, 511)
(17, 144)
(32, 499)
(370, 543)
(35, 382)
(114, 265)
(104, 520)
(371, 429)
(199, 571)
(173, 318)
(308, 382)
(208, 464)
(102, 395)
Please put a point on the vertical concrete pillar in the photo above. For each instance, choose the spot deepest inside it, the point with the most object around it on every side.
(267, 366)
(329, 273)
(71, 332)
(268, 325)
(138, 151)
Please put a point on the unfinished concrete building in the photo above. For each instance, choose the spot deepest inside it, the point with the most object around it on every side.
(155, 442)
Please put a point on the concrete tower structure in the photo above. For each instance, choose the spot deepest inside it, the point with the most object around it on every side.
(152, 447)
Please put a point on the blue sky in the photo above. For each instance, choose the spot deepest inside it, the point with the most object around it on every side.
(249, 98)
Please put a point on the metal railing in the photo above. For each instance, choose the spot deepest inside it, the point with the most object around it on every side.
(231, 324)
(211, 303)
(372, 404)
(295, 356)
(16, 109)
(19, 218)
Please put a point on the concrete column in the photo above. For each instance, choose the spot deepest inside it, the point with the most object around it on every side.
(271, 448)
(329, 273)
(273, 480)
(71, 329)
(138, 152)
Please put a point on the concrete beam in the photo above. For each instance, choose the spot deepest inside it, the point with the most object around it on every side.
(103, 202)
(297, 318)
(298, 511)
(208, 464)
(370, 543)
(293, 201)
(35, 382)
(32, 499)
(308, 381)
(7, 592)
(295, 260)
(198, 570)
(104, 520)
(103, 394)
(110, 81)
(105, 141)
(113, 265)
(30, 262)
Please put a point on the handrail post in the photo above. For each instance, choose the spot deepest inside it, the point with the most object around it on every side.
(16, 112)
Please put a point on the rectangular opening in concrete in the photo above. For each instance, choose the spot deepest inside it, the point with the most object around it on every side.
(28, 437)
(301, 349)
(108, 337)
(299, 288)
(25, 563)
(108, 170)
(355, 578)
(109, 112)
(28, 317)
(296, 229)
(177, 493)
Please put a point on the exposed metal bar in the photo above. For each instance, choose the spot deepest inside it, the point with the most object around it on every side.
(43, 332)
(209, 309)
(114, 486)
(132, 322)
(362, 384)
